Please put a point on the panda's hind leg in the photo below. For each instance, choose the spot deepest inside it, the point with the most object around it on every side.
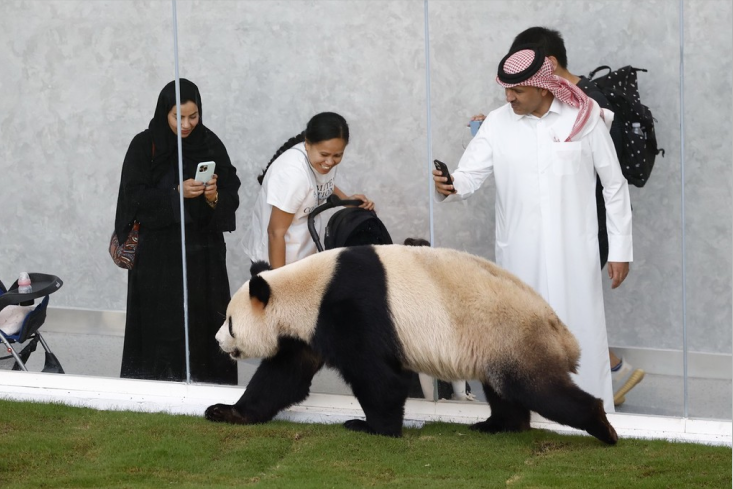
(506, 415)
(556, 397)
(562, 401)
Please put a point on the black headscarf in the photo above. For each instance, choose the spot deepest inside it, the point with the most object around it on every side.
(150, 170)
(195, 147)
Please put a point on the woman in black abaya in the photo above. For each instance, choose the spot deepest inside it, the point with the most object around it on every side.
(154, 346)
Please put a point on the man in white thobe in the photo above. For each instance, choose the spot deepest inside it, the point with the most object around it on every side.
(544, 148)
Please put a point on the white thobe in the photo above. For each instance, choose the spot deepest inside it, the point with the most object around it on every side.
(546, 220)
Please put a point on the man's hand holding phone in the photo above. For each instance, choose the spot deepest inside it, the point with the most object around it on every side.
(443, 179)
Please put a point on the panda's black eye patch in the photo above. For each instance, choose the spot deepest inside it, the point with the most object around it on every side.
(231, 332)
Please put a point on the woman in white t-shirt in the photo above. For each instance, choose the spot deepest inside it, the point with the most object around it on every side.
(299, 177)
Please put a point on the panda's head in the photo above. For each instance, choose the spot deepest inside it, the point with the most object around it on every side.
(247, 332)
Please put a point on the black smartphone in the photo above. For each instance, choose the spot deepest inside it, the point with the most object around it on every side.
(443, 168)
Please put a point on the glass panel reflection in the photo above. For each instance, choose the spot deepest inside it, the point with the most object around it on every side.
(468, 39)
(707, 136)
(276, 66)
(79, 96)
(80, 91)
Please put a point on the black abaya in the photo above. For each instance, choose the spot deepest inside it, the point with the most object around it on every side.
(154, 346)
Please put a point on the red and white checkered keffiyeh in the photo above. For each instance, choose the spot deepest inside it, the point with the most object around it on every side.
(562, 89)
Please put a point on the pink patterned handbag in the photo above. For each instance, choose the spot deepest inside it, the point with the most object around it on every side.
(124, 254)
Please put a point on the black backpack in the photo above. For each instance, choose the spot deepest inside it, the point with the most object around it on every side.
(354, 226)
(638, 151)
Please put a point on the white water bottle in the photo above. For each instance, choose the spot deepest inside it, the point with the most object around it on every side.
(636, 128)
(24, 283)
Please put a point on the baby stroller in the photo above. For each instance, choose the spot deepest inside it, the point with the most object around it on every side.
(352, 226)
(19, 321)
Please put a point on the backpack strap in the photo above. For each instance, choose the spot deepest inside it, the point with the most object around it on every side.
(593, 73)
(604, 67)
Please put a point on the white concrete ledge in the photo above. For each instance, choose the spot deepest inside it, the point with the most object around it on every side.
(193, 399)
(701, 365)
(84, 321)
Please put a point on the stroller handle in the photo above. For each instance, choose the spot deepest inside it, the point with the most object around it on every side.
(332, 201)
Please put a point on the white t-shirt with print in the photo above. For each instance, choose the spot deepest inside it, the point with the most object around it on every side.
(292, 185)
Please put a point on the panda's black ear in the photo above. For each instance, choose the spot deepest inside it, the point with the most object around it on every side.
(259, 289)
(258, 267)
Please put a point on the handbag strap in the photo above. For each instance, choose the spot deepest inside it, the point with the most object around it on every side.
(135, 223)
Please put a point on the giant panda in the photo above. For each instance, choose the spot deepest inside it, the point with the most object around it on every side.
(377, 313)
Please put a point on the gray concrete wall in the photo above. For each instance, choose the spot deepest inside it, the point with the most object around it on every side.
(81, 78)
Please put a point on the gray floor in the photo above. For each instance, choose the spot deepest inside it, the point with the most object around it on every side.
(100, 355)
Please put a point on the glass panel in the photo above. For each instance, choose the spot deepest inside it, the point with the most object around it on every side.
(707, 137)
(276, 65)
(282, 63)
(467, 42)
(77, 91)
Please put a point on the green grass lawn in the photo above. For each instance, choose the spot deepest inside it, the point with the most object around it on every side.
(52, 445)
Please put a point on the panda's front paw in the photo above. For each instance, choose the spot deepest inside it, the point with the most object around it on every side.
(358, 425)
(224, 413)
(363, 427)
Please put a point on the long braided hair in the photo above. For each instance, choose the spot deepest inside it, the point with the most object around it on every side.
(321, 127)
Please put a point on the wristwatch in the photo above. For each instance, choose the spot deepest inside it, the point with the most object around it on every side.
(212, 203)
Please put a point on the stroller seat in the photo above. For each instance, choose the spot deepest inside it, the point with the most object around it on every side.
(20, 321)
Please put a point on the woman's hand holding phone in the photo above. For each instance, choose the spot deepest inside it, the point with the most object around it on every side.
(203, 183)
(193, 188)
(211, 193)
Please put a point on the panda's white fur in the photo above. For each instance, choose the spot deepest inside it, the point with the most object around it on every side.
(455, 316)
(455, 313)
(291, 311)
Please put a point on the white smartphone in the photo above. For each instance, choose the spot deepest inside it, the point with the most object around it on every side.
(205, 171)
